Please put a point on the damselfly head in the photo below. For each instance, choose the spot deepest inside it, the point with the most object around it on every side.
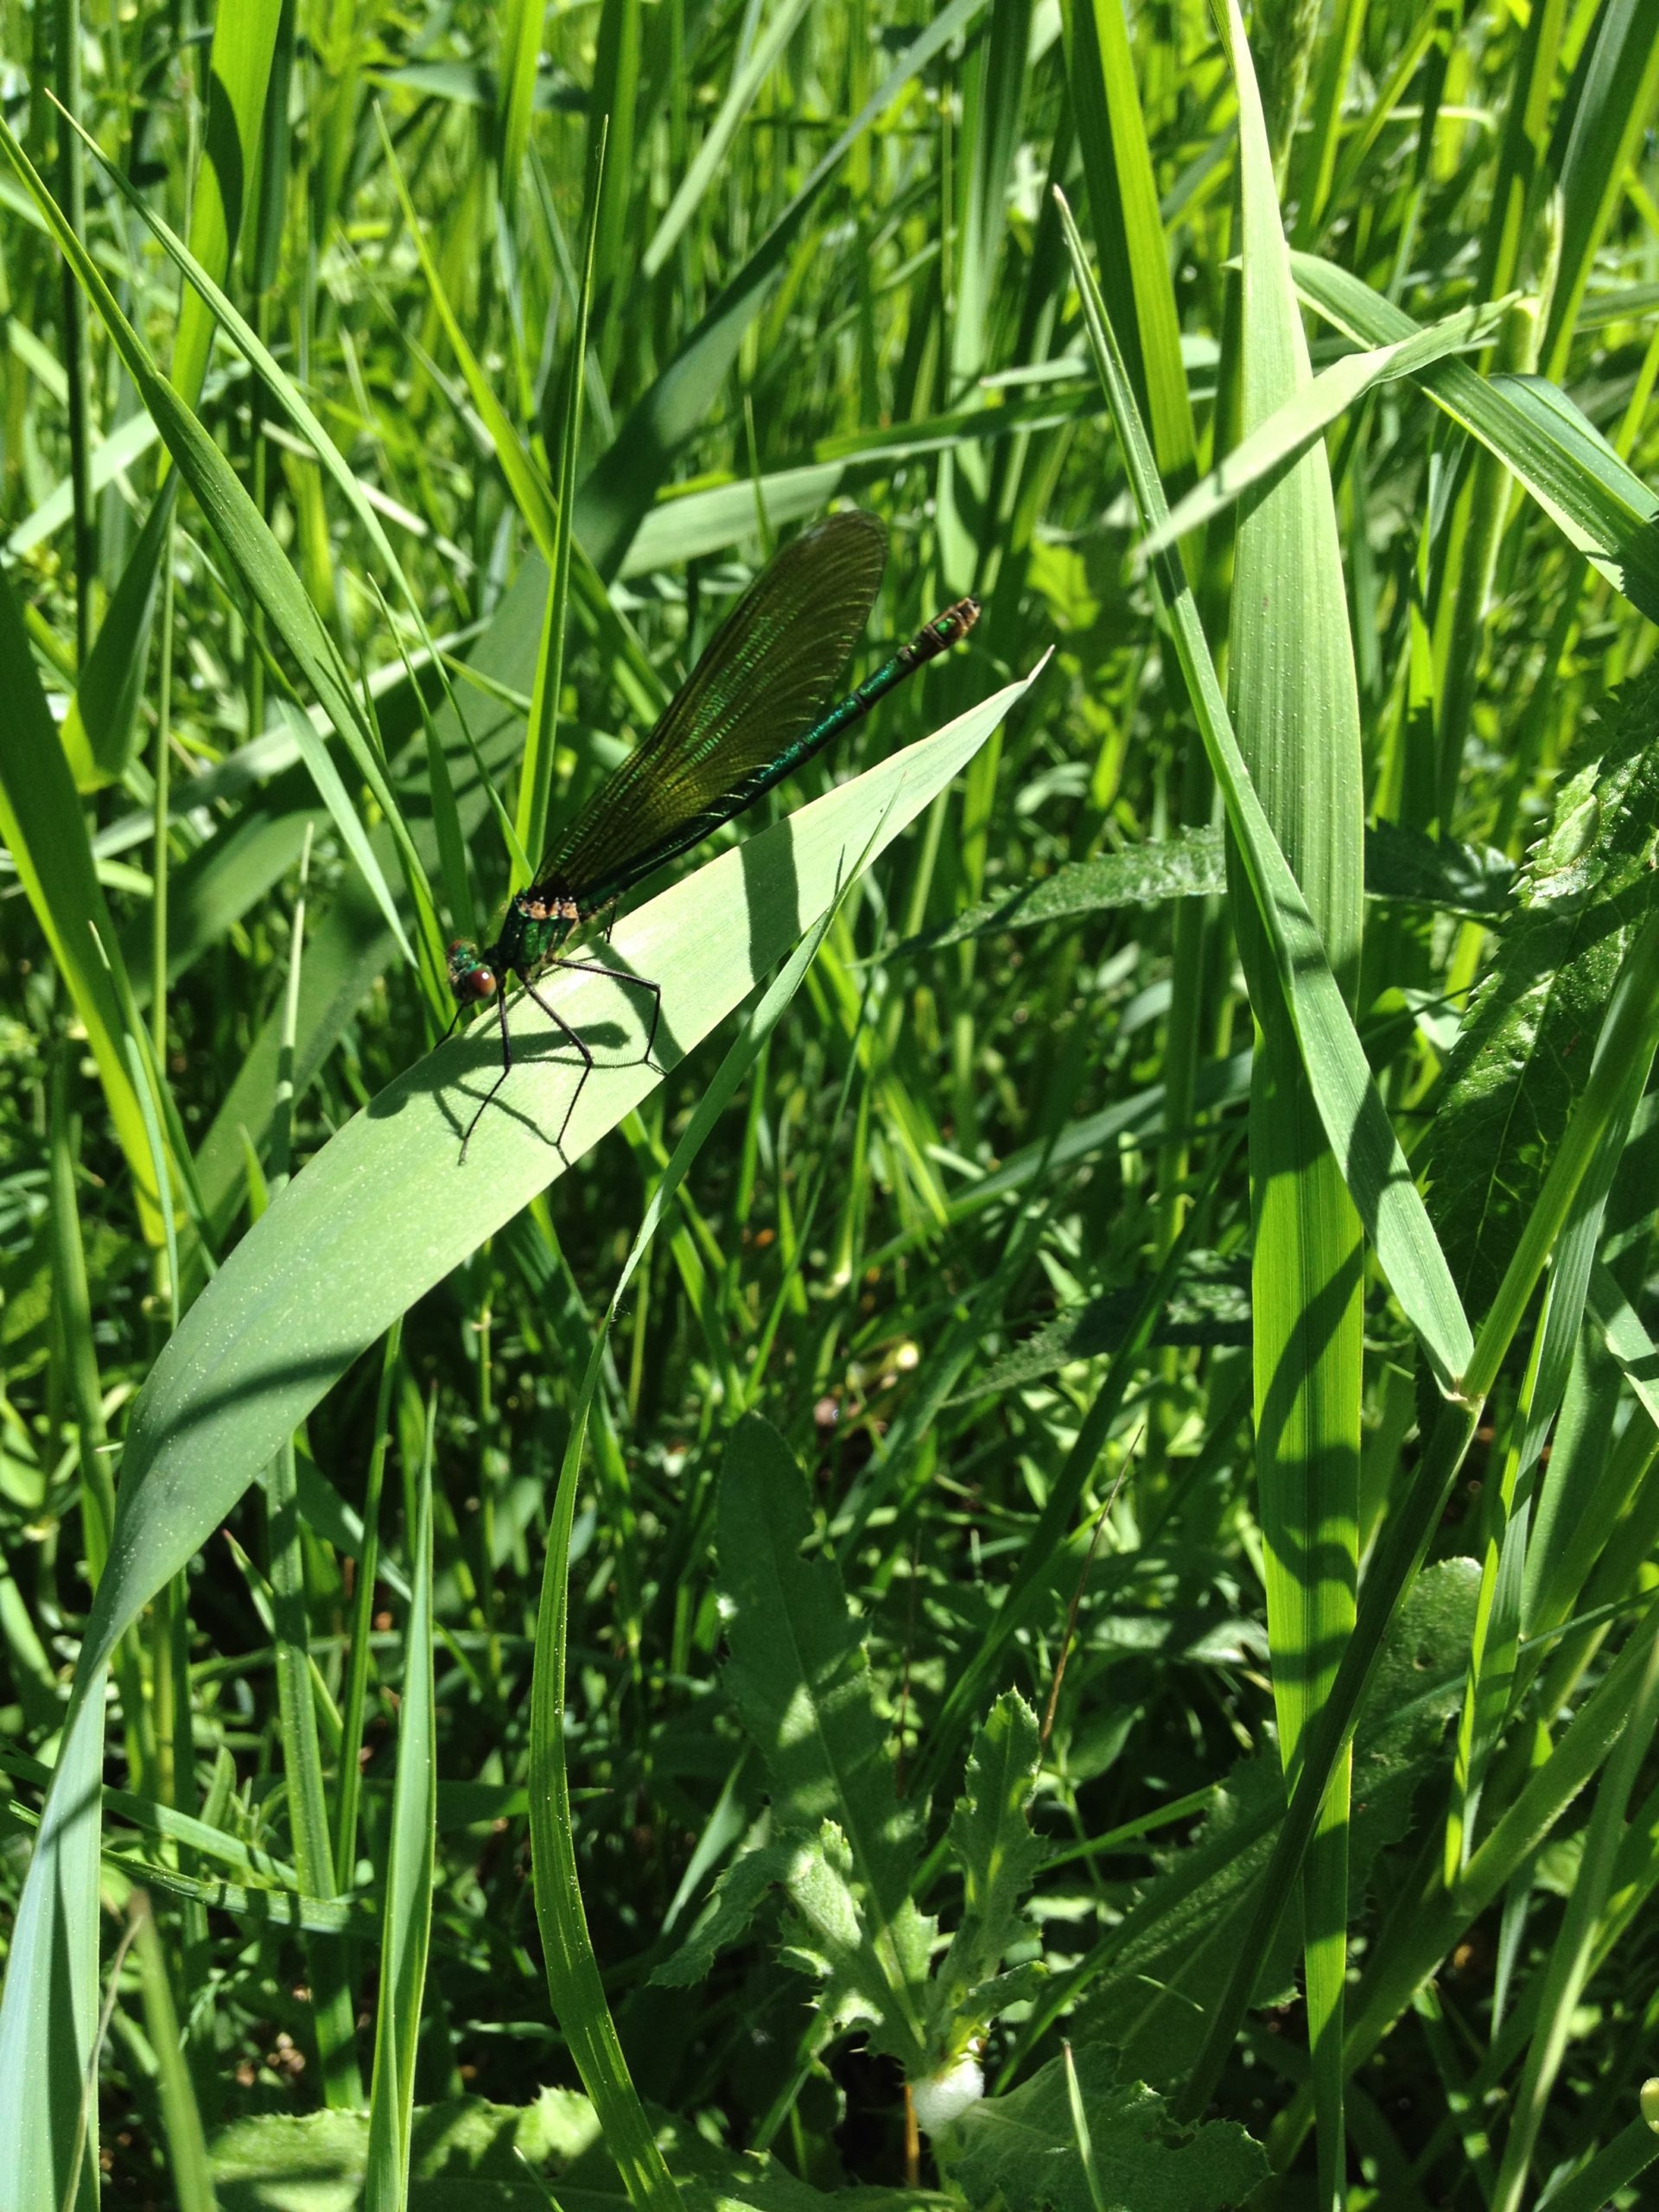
(472, 979)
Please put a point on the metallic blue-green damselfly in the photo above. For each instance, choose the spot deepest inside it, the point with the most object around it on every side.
(751, 712)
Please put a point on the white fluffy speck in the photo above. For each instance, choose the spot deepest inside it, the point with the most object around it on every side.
(946, 2095)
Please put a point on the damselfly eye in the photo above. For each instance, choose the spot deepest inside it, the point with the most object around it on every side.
(482, 983)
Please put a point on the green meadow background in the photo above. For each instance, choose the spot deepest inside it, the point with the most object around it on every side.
(1022, 1574)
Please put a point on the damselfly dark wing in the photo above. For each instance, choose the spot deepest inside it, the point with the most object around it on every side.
(768, 672)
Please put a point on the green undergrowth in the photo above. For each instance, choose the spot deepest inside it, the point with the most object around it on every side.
(1017, 1571)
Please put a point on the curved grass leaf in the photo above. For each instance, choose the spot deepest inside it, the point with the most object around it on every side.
(1602, 507)
(101, 730)
(1295, 705)
(1287, 433)
(44, 830)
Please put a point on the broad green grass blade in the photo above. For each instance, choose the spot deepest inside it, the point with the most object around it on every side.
(1128, 225)
(387, 1209)
(238, 68)
(1296, 709)
(406, 1920)
(1356, 1122)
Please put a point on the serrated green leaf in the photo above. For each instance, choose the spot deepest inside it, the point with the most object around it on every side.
(738, 1895)
(466, 2152)
(1523, 1054)
(827, 1936)
(991, 1841)
(801, 1683)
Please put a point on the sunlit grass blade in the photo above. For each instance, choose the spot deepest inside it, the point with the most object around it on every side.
(1130, 235)
(1296, 709)
(406, 1918)
(43, 829)
(239, 69)
(1356, 1122)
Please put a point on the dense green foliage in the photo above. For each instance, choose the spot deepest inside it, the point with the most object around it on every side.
(736, 1634)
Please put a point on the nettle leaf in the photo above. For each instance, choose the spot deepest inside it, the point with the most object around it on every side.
(1523, 1055)
(1208, 1304)
(1021, 2151)
(1151, 2001)
(1407, 867)
(991, 1840)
